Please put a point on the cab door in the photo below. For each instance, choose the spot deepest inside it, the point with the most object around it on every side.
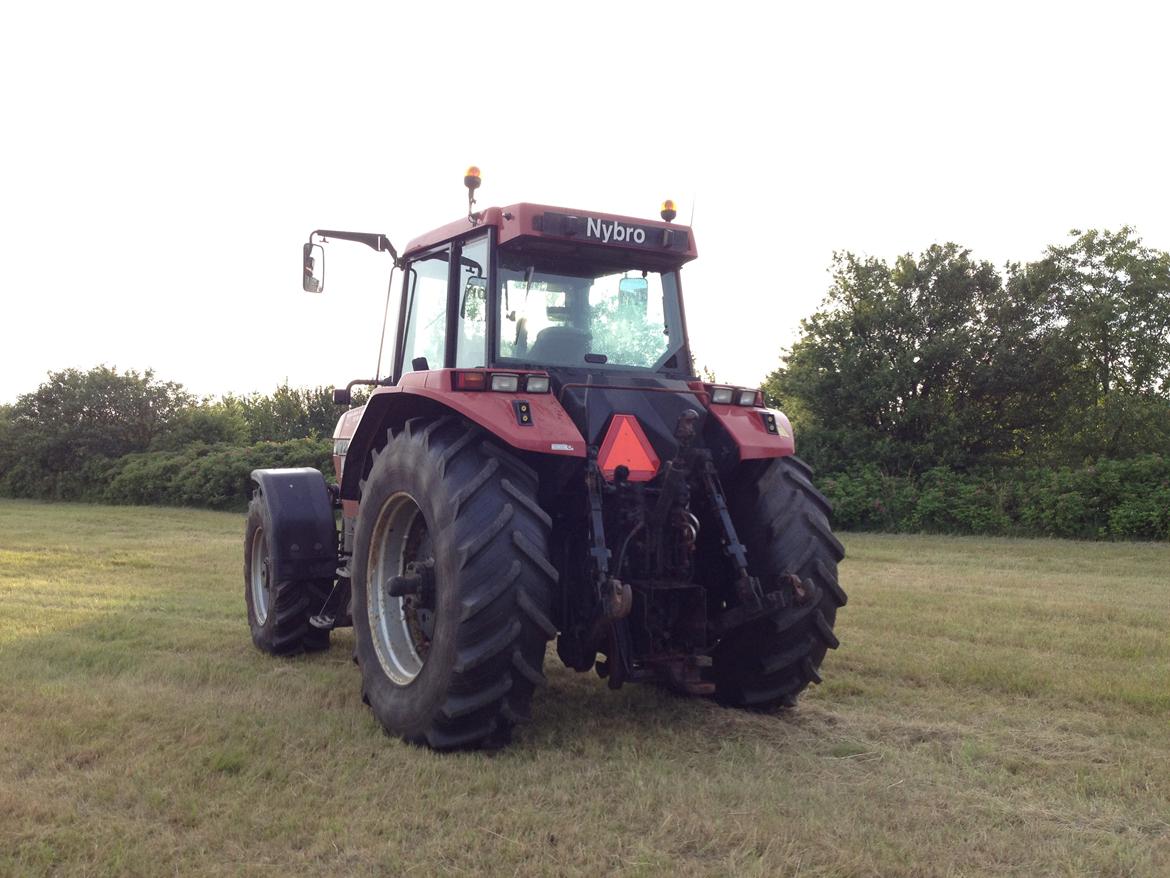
(445, 308)
(425, 312)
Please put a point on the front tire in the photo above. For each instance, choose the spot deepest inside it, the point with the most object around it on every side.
(454, 663)
(278, 611)
(784, 524)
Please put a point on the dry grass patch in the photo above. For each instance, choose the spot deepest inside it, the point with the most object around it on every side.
(997, 707)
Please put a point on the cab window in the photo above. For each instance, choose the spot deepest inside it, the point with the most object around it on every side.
(471, 335)
(426, 316)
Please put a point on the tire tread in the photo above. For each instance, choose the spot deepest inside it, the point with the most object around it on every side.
(785, 525)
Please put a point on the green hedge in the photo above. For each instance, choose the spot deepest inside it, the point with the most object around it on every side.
(208, 476)
(1113, 499)
(211, 476)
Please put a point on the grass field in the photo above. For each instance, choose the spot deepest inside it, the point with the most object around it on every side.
(997, 707)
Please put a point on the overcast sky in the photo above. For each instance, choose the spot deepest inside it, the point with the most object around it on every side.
(163, 163)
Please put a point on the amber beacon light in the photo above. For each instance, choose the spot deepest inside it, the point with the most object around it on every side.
(471, 180)
(668, 212)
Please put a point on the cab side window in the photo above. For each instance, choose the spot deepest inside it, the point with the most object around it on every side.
(471, 339)
(426, 317)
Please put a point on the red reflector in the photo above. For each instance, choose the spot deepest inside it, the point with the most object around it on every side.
(626, 445)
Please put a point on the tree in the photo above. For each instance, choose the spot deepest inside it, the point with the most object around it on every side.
(77, 419)
(210, 423)
(931, 361)
(1115, 295)
(937, 360)
(7, 452)
(1112, 295)
(289, 413)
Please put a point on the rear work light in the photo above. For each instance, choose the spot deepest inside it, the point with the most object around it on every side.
(536, 384)
(733, 395)
(505, 383)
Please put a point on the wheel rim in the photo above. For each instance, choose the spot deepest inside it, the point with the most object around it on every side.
(259, 577)
(401, 627)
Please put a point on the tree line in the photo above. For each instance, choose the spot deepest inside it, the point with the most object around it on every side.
(126, 436)
(939, 375)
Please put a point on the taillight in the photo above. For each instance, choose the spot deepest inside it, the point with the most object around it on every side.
(470, 380)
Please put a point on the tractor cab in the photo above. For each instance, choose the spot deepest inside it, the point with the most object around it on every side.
(532, 287)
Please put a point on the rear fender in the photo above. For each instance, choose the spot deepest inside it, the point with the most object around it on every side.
(746, 426)
(298, 514)
(549, 429)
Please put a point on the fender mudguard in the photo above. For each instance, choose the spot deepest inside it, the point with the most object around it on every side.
(549, 429)
(298, 515)
(748, 429)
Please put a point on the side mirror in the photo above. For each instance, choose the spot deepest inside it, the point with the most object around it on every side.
(474, 297)
(314, 264)
(342, 396)
(633, 292)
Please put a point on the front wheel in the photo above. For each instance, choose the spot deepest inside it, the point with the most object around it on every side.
(452, 586)
(783, 522)
(278, 610)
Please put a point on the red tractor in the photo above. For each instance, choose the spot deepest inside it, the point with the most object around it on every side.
(540, 463)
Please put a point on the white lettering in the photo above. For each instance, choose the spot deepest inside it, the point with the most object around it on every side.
(613, 231)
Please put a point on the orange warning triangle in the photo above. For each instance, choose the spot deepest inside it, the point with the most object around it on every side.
(626, 445)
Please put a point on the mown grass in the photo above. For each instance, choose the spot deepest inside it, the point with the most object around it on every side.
(997, 707)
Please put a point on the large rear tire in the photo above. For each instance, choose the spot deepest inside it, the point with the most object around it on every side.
(278, 611)
(454, 663)
(783, 522)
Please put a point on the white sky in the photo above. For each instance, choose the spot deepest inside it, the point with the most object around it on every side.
(161, 164)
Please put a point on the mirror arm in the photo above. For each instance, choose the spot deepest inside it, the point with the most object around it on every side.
(377, 242)
(345, 397)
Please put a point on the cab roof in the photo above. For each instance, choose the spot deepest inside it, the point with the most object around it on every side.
(660, 240)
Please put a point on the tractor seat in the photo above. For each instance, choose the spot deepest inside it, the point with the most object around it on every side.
(562, 345)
